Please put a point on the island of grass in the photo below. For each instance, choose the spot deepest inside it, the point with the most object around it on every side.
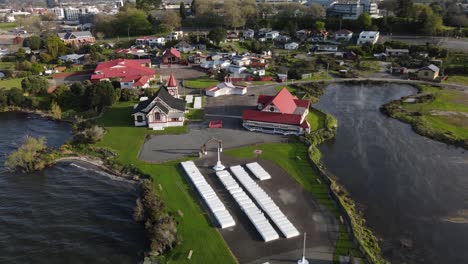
(440, 114)
(10, 83)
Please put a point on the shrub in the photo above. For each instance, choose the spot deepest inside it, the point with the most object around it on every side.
(27, 157)
(89, 135)
(56, 111)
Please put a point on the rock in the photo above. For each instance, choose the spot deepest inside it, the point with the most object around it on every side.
(406, 243)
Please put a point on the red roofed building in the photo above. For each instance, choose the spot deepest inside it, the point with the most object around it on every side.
(279, 114)
(130, 73)
(171, 56)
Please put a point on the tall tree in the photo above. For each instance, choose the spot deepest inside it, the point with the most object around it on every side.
(364, 21)
(233, 16)
(182, 11)
(55, 46)
(171, 19)
(217, 35)
(404, 8)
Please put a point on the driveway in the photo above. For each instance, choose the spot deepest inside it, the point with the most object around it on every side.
(297, 204)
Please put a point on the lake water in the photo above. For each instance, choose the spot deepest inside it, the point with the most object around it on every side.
(69, 213)
(409, 187)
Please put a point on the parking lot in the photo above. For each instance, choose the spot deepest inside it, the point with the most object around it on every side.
(297, 204)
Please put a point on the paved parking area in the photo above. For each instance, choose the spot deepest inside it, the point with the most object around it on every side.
(163, 148)
(297, 204)
(181, 73)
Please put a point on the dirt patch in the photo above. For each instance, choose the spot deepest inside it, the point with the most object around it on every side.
(448, 113)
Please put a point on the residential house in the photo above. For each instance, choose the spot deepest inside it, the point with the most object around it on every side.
(226, 88)
(232, 36)
(184, 47)
(135, 53)
(77, 38)
(321, 35)
(258, 71)
(130, 73)
(280, 114)
(200, 46)
(197, 58)
(150, 41)
(263, 31)
(171, 56)
(326, 48)
(283, 38)
(160, 111)
(291, 46)
(236, 70)
(302, 34)
(272, 35)
(343, 34)
(216, 64)
(428, 73)
(368, 37)
(248, 34)
(241, 60)
(73, 58)
(396, 52)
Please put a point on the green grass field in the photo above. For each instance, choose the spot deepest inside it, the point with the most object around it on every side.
(7, 65)
(368, 67)
(316, 120)
(201, 83)
(7, 26)
(10, 83)
(194, 228)
(446, 113)
(457, 79)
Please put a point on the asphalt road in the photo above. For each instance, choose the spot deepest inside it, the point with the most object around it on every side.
(449, 43)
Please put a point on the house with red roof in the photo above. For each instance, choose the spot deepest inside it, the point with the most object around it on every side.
(130, 73)
(280, 114)
(171, 56)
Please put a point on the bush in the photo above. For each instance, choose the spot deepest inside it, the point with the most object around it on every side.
(27, 157)
(35, 85)
(56, 111)
(89, 135)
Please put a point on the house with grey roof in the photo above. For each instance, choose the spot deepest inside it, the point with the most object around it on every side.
(77, 38)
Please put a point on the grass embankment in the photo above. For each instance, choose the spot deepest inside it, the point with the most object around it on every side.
(367, 67)
(440, 114)
(293, 158)
(195, 230)
(201, 83)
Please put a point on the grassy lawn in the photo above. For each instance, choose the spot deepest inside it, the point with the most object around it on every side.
(7, 26)
(368, 67)
(458, 79)
(316, 119)
(10, 83)
(318, 76)
(293, 159)
(194, 228)
(7, 65)
(201, 83)
(195, 114)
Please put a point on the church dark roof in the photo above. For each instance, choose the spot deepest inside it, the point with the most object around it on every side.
(164, 96)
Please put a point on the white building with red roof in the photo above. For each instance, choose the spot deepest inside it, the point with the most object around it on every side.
(280, 114)
(130, 73)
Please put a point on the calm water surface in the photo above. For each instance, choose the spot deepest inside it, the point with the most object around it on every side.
(70, 213)
(410, 187)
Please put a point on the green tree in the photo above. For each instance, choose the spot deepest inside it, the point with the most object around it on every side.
(148, 4)
(36, 68)
(364, 21)
(404, 8)
(171, 19)
(182, 11)
(33, 42)
(319, 25)
(132, 21)
(20, 54)
(26, 157)
(34, 85)
(432, 25)
(55, 46)
(100, 95)
(15, 97)
(217, 35)
(56, 111)
(233, 16)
